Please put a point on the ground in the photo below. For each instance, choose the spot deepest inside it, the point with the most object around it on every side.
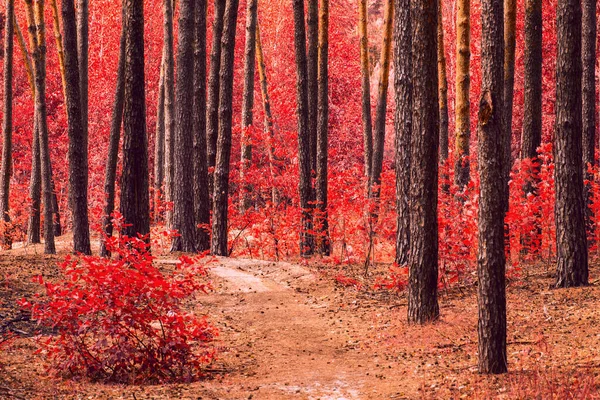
(292, 331)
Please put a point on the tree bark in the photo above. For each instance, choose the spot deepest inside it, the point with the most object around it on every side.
(169, 59)
(59, 46)
(322, 222)
(531, 136)
(135, 207)
(403, 125)
(83, 59)
(443, 87)
(77, 138)
(212, 103)
(221, 194)
(381, 110)
(571, 244)
(304, 183)
(201, 195)
(6, 168)
(248, 101)
(113, 146)
(423, 259)
(366, 87)
(463, 83)
(491, 258)
(183, 179)
(312, 32)
(159, 145)
(510, 21)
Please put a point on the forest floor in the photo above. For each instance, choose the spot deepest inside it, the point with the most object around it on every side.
(292, 331)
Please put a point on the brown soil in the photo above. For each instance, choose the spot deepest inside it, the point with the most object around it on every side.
(289, 331)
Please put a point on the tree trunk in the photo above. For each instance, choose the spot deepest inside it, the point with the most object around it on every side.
(168, 57)
(443, 87)
(58, 39)
(248, 101)
(6, 168)
(39, 68)
(159, 145)
(77, 139)
(183, 179)
(423, 258)
(304, 184)
(322, 221)
(381, 110)
(212, 102)
(531, 137)
(135, 201)
(571, 244)
(510, 21)
(463, 82)
(589, 100)
(262, 73)
(366, 86)
(491, 259)
(201, 195)
(83, 59)
(221, 194)
(113, 146)
(402, 125)
(312, 33)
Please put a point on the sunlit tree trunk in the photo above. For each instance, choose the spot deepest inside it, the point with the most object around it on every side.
(463, 82)
(212, 103)
(83, 59)
(169, 65)
(402, 125)
(366, 86)
(248, 100)
(135, 201)
(201, 195)
(322, 132)
(423, 258)
(304, 184)
(381, 110)
(113, 146)
(443, 87)
(221, 195)
(6, 168)
(491, 259)
(571, 244)
(510, 21)
(58, 40)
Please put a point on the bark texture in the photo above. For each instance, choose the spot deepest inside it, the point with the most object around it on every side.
(571, 244)
(77, 136)
(463, 83)
(159, 145)
(83, 59)
(221, 194)
(443, 87)
(134, 179)
(366, 86)
(423, 258)
(183, 179)
(510, 22)
(169, 65)
(403, 125)
(491, 259)
(312, 25)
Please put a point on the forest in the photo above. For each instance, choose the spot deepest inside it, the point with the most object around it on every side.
(313, 199)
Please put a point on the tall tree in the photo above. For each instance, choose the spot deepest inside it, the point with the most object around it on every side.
(423, 258)
(312, 33)
(381, 110)
(510, 26)
(6, 168)
(403, 124)
(39, 69)
(212, 102)
(113, 146)
(83, 60)
(183, 178)
(571, 244)
(366, 86)
(169, 67)
(135, 207)
(201, 195)
(248, 98)
(463, 83)
(588, 24)
(304, 184)
(531, 136)
(491, 259)
(159, 144)
(443, 86)
(322, 132)
(221, 193)
(77, 141)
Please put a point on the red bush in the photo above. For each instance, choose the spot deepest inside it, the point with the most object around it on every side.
(123, 320)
